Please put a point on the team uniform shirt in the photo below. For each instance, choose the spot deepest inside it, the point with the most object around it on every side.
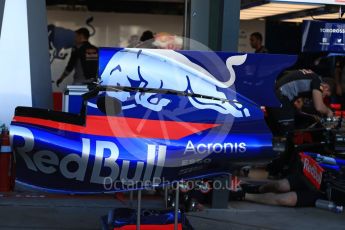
(298, 83)
(84, 61)
(291, 86)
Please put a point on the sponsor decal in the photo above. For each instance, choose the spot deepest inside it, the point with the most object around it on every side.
(203, 148)
(91, 54)
(312, 170)
(332, 30)
(196, 161)
(48, 162)
(190, 169)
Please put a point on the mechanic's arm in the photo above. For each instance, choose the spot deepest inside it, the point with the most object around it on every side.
(69, 68)
(319, 105)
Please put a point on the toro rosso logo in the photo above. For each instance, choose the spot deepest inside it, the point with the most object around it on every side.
(167, 69)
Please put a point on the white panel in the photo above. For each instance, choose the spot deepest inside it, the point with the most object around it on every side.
(15, 83)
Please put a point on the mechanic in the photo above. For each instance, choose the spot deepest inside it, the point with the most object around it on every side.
(293, 191)
(256, 43)
(291, 86)
(83, 60)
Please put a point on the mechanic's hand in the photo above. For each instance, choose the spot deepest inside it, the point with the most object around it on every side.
(58, 82)
(330, 113)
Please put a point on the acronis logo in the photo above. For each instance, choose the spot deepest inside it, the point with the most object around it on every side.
(208, 148)
(171, 70)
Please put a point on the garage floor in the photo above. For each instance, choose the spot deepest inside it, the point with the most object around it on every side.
(25, 211)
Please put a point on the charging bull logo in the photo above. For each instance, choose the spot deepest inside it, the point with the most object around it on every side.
(61, 40)
(167, 69)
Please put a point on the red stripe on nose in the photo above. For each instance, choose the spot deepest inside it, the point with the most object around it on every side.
(124, 127)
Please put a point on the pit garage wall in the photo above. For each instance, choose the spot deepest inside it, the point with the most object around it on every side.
(115, 29)
(112, 30)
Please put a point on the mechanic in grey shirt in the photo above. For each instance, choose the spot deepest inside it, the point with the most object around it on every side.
(291, 86)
